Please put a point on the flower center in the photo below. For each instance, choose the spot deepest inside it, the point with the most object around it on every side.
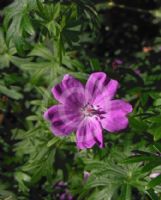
(89, 110)
(93, 111)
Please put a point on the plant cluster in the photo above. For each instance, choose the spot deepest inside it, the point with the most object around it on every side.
(40, 42)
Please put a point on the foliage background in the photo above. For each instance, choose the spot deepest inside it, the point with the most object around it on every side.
(40, 40)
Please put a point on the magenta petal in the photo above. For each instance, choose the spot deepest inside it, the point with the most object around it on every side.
(116, 117)
(89, 133)
(114, 121)
(95, 85)
(75, 100)
(108, 93)
(63, 120)
(120, 105)
(68, 86)
(112, 88)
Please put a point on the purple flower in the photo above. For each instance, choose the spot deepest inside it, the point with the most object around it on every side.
(154, 174)
(87, 109)
(66, 196)
(60, 185)
(137, 71)
(62, 191)
(86, 175)
(116, 63)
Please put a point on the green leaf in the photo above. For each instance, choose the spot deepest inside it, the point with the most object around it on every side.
(5, 194)
(157, 134)
(151, 165)
(32, 118)
(137, 124)
(95, 65)
(126, 192)
(135, 159)
(53, 141)
(57, 8)
(41, 9)
(17, 22)
(4, 60)
(41, 51)
(157, 102)
(155, 130)
(19, 61)
(21, 178)
(33, 66)
(152, 194)
(10, 93)
(157, 146)
(154, 182)
(27, 26)
(2, 42)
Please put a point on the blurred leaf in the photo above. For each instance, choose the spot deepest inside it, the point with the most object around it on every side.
(22, 177)
(139, 158)
(53, 141)
(10, 92)
(152, 194)
(5, 194)
(151, 165)
(155, 181)
(125, 192)
(95, 65)
(42, 52)
(156, 131)
(137, 124)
